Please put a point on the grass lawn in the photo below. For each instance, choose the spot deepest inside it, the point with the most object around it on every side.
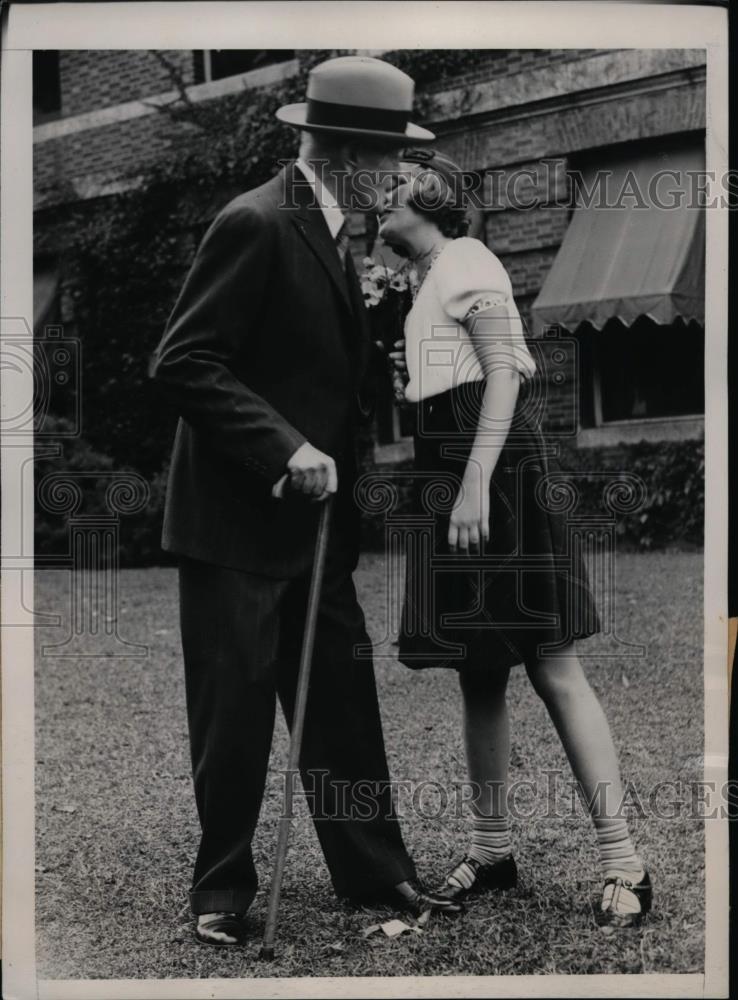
(117, 828)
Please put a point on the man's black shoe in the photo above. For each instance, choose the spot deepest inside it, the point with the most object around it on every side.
(414, 898)
(222, 930)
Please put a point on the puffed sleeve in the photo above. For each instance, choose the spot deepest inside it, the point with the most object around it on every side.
(467, 273)
(471, 279)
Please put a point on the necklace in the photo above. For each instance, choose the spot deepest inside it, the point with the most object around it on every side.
(433, 254)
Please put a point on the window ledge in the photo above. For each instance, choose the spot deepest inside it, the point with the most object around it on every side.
(633, 431)
(393, 454)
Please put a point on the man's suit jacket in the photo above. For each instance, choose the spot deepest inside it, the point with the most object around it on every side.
(266, 348)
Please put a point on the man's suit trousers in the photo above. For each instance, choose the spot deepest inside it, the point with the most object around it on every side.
(241, 637)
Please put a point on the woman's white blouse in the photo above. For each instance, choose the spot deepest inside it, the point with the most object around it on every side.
(465, 279)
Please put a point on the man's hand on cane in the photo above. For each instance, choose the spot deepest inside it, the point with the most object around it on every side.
(310, 472)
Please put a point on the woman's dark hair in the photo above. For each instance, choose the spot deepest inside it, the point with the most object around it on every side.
(438, 191)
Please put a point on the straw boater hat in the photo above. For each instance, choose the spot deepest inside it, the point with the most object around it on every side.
(358, 96)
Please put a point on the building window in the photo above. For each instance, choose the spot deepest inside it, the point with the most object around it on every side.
(216, 64)
(642, 372)
(46, 85)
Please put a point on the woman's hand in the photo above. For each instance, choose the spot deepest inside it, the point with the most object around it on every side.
(469, 524)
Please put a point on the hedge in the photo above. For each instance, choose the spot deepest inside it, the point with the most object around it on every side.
(671, 516)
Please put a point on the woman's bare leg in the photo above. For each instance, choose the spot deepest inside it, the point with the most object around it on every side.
(487, 741)
(585, 734)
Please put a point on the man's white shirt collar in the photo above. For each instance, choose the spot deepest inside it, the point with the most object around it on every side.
(332, 213)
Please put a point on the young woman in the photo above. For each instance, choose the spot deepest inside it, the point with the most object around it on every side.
(496, 585)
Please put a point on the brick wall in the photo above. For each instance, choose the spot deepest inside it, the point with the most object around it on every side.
(71, 164)
(559, 131)
(515, 232)
(96, 78)
(504, 62)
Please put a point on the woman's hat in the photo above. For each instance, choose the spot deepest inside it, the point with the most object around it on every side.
(357, 96)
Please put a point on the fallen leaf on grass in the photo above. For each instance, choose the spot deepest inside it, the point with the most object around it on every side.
(66, 809)
(337, 947)
(391, 928)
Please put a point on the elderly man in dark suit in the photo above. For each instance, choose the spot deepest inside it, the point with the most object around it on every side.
(264, 358)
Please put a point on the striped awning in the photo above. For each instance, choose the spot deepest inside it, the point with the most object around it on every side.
(635, 249)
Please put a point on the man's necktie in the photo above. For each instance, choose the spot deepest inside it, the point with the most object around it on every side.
(342, 243)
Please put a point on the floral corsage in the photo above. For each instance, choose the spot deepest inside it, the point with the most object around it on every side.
(388, 295)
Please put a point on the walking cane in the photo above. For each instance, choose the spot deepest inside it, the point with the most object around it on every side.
(303, 682)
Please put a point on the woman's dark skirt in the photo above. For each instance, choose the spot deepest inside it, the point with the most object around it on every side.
(527, 593)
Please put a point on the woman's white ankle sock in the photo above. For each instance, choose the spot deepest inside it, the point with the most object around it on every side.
(617, 854)
(490, 840)
(490, 843)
